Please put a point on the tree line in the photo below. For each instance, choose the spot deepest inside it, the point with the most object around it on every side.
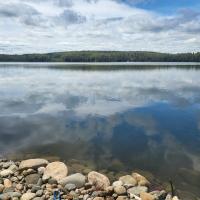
(103, 56)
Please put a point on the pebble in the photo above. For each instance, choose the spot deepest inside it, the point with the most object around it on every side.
(120, 190)
(76, 179)
(28, 196)
(137, 190)
(7, 183)
(117, 183)
(122, 198)
(56, 170)
(32, 178)
(37, 179)
(99, 180)
(146, 196)
(128, 180)
(70, 186)
(6, 173)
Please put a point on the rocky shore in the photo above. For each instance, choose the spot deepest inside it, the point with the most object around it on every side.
(39, 179)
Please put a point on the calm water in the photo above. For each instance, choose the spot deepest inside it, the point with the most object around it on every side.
(115, 121)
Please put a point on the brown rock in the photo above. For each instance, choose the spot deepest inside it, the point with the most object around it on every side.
(99, 180)
(32, 163)
(56, 170)
(1, 188)
(122, 198)
(141, 180)
(128, 180)
(146, 196)
(7, 183)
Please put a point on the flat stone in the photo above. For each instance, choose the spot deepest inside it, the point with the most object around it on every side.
(137, 190)
(32, 163)
(28, 196)
(128, 180)
(76, 179)
(32, 179)
(56, 170)
(120, 190)
(100, 181)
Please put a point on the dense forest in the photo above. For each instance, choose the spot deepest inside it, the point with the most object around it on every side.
(103, 56)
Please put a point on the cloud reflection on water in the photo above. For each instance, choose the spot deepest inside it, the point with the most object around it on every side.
(143, 119)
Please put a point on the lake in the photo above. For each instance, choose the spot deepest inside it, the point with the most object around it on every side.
(114, 121)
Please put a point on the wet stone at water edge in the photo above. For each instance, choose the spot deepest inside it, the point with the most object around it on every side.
(28, 181)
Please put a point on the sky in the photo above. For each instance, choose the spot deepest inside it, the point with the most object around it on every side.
(39, 26)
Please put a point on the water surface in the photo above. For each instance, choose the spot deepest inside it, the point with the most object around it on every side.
(115, 121)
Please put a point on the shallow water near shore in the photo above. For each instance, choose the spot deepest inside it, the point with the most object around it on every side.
(114, 121)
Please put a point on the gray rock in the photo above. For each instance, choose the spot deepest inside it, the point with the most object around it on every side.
(39, 183)
(35, 188)
(52, 181)
(70, 186)
(10, 189)
(39, 193)
(76, 179)
(10, 195)
(137, 190)
(32, 179)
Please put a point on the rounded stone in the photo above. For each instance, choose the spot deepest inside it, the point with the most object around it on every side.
(32, 178)
(7, 183)
(120, 190)
(28, 196)
(56, 170)
(137, 190)
(76, 179)
(128, 180)
(70, 186)
(117, 183)
(1, 188)
(100, 181)
(141, 180)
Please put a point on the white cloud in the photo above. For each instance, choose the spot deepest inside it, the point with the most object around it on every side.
(61, 25)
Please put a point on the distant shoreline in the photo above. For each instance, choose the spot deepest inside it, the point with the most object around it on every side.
(102, 56)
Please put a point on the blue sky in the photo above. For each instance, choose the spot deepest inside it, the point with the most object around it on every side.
(29, 26)
(168, 6)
